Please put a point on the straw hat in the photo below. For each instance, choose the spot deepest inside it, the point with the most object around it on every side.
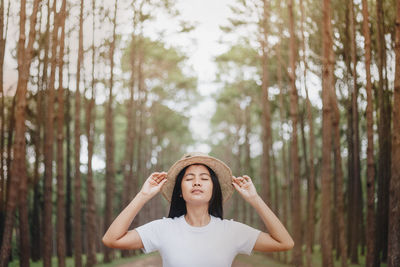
(222, 171)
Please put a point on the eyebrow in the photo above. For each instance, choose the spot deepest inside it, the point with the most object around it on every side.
(200, 174)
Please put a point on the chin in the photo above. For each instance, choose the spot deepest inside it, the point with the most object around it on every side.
(198, 200)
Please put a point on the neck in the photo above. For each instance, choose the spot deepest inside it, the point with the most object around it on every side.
(197, 215)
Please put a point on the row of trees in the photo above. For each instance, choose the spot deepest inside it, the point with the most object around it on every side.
(307, 87)
(312, 83)
(71, 101)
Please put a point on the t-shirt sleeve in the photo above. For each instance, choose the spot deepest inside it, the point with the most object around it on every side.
(244, 236)
(150, 235)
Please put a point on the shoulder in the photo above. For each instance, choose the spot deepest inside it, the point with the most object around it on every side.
(238, 227)
(159, 223)
(231, 222)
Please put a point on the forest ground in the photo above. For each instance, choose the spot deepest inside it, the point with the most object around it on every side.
(154, 260)
(257, 259)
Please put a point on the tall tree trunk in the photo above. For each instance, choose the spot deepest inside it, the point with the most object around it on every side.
(48, 153)
(91, 206)
(311, 177)
(238, 168)
(77, 184)
(60, 145)
(2, 108)
(248, 168)
(296, 203)
(110, 169)
(141, 92)
(356, 143)
(282, 116)
(68, 204)
(3, 38)
(338, 179)
(394, 204)
(11, 127)
(90, 132)
(384, 145)
(327, 87)
(265, 116)
(130, 184)
(18, 177)
(36, 223)
(351, 218)
(370, 232)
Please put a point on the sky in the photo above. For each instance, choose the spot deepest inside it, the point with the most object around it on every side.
(209, 15)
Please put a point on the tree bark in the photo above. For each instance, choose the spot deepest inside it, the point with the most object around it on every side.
(48, 153)
(90, 132)
(3, 38)
(370, 229)
(68, 204)
(394, 199)
(60, 145)
(248, 169)
(18, 177)
(356, 143)
(338, 179)
(77, 184)
(311, 177)
(282, 116)
(296, 199)
(384, 145)
(265, 116)
(110, 169)
(327, 87)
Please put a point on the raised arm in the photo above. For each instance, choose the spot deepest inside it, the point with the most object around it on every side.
(278, 238)
(117, 235)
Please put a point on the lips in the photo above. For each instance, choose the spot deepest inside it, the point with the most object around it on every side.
(197, 190)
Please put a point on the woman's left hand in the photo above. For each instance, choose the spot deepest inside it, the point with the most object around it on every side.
(245, 187)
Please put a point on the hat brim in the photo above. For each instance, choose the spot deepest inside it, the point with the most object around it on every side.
(222, 171)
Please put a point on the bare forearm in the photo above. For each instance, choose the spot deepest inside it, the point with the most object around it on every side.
(275, 228)
(120, 225)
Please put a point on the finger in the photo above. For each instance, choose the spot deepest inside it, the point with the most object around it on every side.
(235, 185)
(162, 178)
(163, 182)
(159, 178)
(154, 176)
(238, 183)
(159, 175)
(162, 175)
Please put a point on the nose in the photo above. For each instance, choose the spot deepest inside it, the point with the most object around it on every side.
(196, 182)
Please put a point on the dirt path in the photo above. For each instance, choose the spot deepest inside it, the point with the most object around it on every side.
(155, 261)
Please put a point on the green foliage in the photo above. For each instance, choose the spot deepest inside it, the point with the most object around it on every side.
(164, 68)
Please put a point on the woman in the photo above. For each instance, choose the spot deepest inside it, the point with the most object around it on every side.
(195, 233)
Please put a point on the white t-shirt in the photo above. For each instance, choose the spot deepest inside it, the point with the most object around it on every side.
(213, 245)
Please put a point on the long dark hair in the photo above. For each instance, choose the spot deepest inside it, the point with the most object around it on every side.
(178, 204)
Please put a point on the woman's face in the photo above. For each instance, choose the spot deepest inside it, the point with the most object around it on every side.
(197, 186)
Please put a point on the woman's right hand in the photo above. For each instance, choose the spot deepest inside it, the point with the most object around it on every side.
(153, 184)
